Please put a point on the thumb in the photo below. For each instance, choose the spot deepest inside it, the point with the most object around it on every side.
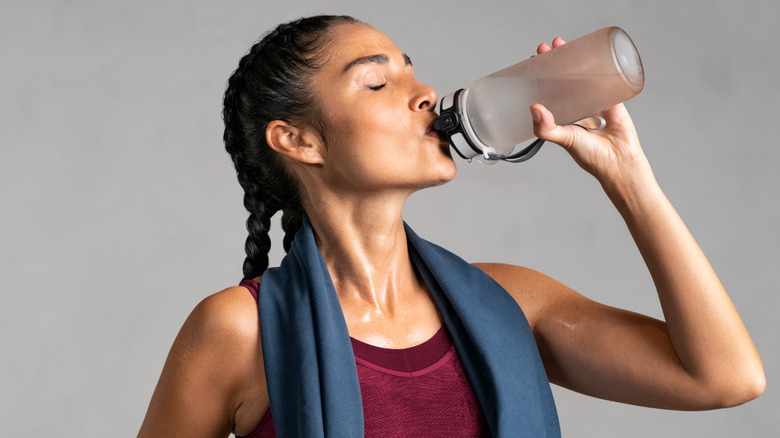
(546, 129)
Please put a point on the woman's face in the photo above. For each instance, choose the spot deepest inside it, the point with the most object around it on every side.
(378, 120)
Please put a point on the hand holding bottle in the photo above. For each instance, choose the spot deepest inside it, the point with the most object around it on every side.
(613, 154)
(588, 75)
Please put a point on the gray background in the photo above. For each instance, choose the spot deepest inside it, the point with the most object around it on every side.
(119, 209)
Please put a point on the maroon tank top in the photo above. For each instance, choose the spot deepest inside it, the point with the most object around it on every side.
(417, 391)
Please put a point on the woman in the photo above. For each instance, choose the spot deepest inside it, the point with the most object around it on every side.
(325, 121)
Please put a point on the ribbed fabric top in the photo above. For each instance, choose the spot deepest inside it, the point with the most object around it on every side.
(416, 391)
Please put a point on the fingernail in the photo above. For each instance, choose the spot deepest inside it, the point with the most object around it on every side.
(536, 114)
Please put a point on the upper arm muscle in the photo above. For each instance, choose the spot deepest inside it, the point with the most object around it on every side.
(596, 349)
(215, 360)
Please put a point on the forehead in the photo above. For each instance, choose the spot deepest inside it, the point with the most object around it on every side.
(354, 40)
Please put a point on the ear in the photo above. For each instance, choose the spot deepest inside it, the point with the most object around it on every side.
(299, 144)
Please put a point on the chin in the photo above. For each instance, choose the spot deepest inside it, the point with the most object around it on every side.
(446, 173)
(452, 172)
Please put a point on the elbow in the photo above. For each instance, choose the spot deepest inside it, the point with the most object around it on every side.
(739, 389)
(752, 387)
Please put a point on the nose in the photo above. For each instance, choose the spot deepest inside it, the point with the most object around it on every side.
(425, 98)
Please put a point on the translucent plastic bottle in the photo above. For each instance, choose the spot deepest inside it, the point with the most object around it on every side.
(573, 81)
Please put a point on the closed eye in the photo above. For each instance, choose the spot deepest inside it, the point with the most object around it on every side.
(377, 87)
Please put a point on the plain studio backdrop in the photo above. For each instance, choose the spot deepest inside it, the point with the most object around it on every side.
(120, 210)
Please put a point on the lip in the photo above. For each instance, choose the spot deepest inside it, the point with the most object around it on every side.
(430, 132)
(444, 144)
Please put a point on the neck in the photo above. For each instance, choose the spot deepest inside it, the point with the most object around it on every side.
(363, 243)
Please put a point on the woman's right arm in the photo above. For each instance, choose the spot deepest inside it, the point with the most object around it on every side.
(213, 381)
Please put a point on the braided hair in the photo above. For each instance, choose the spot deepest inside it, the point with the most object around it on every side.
(272, 82)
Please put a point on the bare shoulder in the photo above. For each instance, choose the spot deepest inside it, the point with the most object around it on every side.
(225, 323)
(531, 289)
(230, 314)
(213, 382)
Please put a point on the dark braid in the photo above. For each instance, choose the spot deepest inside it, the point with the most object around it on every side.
(292, 220)
(272, 82)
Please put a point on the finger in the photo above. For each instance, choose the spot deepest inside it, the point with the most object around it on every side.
(557, 42)
(617, 114)
(543, 48)
(546, 129)
(619, 119)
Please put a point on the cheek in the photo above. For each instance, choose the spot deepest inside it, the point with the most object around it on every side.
(351, 142)
(383, 120)
(367, 129)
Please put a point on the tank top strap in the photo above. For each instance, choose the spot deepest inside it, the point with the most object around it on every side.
(252, 286)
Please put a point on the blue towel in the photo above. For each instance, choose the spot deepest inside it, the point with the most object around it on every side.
(310, 366)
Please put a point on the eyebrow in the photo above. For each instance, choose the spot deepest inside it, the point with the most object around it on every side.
(373, 59)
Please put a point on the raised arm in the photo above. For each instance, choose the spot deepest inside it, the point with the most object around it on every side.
(701, 357)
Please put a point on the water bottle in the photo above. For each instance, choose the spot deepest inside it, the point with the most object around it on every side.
(574, 81)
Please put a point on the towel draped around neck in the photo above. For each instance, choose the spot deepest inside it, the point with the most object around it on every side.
(310, 366)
